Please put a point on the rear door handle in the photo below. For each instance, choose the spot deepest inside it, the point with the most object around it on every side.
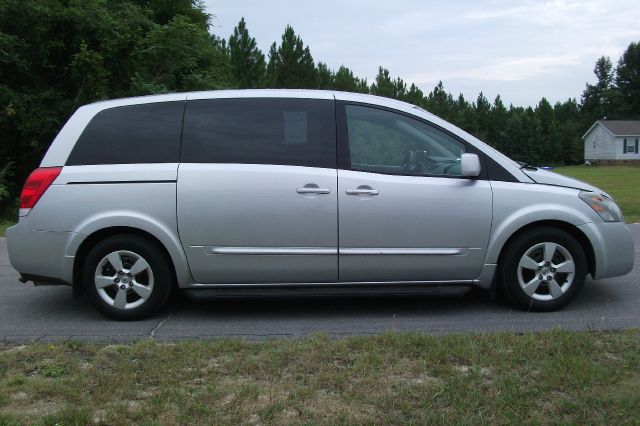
(312, 188)
(362, 191)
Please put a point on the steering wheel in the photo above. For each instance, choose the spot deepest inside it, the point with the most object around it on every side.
(447, 168)
(408, 162)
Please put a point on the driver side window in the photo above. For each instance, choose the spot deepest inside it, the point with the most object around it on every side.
(385, 142)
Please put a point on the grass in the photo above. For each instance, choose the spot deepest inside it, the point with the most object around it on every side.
(4, 224)
(622, 182)
(550, 377)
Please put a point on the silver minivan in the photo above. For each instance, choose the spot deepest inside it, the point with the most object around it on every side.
(272, 192)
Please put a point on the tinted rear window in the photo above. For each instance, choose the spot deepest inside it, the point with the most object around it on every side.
(298, 132)
(148, 133)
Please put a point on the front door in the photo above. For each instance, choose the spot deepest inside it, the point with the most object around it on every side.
(257, 190)
(405, 211)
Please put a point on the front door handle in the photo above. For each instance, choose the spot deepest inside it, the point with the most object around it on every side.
(312, 188)
(362, 191)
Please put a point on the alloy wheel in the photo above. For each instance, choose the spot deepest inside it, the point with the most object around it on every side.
(546, 271)
(124, 279)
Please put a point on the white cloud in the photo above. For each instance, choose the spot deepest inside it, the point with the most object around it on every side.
(529, 48)
(509, 69)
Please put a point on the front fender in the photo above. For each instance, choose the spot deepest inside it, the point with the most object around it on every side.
(516, 206)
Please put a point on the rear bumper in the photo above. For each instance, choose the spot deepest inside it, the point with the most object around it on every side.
(40, 254)
(612, 246)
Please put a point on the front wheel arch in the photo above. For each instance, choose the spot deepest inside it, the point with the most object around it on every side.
(564, 226)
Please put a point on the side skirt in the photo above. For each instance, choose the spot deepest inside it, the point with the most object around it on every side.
(213, 291)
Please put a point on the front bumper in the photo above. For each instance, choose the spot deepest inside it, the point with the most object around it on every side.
(613, 248)
(40, 254)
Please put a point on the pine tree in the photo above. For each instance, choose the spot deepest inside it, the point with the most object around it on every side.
(383, 85)
(460, 113)
(291, 64)
(496, 127)
(247, 61)
(548, 137)
(440, 102)
(482, 109)
(344, 80)
(415, 96)
(628, 82)
(325, 77)
(399, 89)
(597, 100)
(570, 128)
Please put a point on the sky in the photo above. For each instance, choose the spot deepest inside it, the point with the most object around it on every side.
(521, 50)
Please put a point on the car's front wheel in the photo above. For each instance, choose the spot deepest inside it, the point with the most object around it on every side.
(542, 269)
(127, 277)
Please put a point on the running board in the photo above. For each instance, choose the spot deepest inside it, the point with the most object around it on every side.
(326, 290)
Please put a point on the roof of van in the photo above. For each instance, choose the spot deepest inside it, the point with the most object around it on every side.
(262, 93)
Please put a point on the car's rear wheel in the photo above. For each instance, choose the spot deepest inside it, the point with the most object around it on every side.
(127, 277)
(543, 269)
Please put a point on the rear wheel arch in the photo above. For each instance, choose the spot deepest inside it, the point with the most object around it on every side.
(90, 241)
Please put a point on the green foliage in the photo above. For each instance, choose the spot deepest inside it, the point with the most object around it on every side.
(56, 56)
(441, 103)
(597, 99)
(345, 80)
(414, 95)
(291, 64)
(180, 56)
(325, 77)
(628, 82)
(247, 61)
(383, 85)
(5, 172)
(53, 371)
(616, 95)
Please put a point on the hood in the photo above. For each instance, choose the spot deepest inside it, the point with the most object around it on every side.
(546, 177)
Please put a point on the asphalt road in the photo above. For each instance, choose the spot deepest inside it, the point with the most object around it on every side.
(50, 313)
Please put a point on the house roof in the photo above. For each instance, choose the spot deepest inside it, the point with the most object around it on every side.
(619, 127)
(622, 127)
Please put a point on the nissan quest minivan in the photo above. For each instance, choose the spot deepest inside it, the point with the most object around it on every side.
(272, 192)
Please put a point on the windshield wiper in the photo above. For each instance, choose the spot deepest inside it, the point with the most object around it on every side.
(524, 165)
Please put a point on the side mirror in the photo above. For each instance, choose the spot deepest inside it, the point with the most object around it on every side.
(470, 165)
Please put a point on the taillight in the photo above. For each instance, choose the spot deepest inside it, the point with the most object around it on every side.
(37, 183)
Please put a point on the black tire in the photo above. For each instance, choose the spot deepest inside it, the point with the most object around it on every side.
(159, 277)
(508, 273)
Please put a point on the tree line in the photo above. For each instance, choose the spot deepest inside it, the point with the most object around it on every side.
(57, 55)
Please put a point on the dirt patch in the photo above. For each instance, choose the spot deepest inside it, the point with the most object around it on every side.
(15, 349)
(34, 409)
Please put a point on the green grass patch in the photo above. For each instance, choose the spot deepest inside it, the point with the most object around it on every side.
(4, 224)
(622, 182)
(550, 377)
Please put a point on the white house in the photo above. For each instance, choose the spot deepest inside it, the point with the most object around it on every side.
(612, 141)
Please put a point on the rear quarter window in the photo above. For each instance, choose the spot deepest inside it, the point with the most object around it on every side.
(147, 133)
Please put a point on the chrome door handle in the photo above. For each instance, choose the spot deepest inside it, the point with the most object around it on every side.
(307, 190)
(362, 192)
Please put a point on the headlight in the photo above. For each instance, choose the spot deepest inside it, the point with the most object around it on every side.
(604, 206)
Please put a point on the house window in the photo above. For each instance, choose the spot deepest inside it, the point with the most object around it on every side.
(630, 146)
